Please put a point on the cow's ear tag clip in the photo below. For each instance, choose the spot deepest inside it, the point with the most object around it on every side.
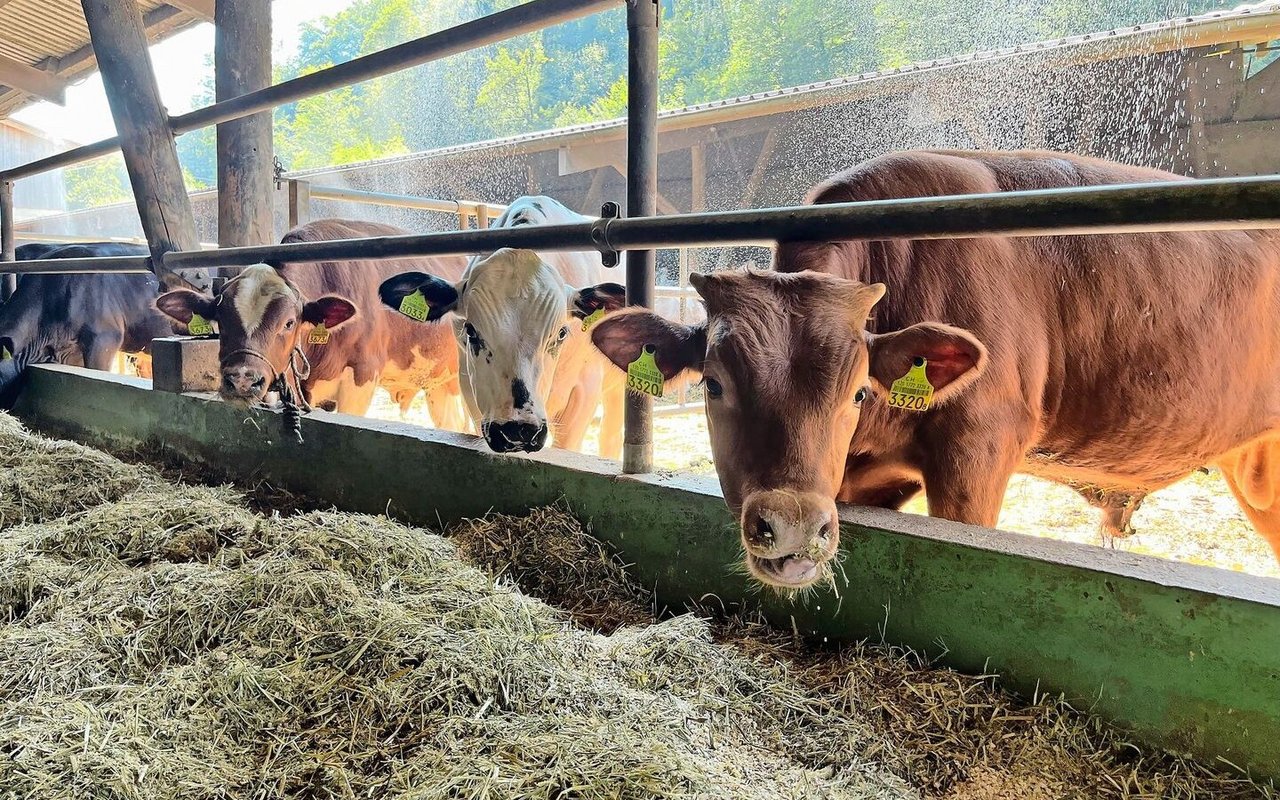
(199, 326)
(643, 374)
(912, 392)
(415, 306)
(5, 355)
(319, 335)
(592, 318)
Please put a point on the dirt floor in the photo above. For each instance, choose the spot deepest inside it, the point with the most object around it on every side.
(1196, 520)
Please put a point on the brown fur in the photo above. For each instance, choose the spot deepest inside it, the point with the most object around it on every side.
(1116, 364)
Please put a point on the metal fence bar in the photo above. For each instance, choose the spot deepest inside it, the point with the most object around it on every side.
(642, 201)
(521, 19)
(1222, 203)
(469, 207)
(8, 243)
(80, 266)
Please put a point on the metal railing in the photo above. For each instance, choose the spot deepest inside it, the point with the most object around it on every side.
(1190, 205)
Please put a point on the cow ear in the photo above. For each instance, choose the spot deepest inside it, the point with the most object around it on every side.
(955, 357)
(330, 310)
(181, 304)
(440, 295)
(606, 297)
(622, 336)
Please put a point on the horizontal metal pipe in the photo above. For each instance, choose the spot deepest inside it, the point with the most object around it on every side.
(521, 19)
(403, 200)
(115, 264)
(1222, 203)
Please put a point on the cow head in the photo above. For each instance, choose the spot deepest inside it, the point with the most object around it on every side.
(513, 314)
(12, 362)
(788, 369)
(261, 318)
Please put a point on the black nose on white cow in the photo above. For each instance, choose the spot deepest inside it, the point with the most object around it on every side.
(243, 383)
(509, 437)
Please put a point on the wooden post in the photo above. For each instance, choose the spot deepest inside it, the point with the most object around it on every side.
(8, 281)
(150, 155)
(482, 216)
(299, 203)
(242, 64)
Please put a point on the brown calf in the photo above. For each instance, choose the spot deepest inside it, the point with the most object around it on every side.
(1114, 363)
(266, 316)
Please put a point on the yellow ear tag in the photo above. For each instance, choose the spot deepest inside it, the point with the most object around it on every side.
(199, 326)
(592, 318)
(319, 335)
(912, 392)
(415, 306)
(5, 355)
(643, 374)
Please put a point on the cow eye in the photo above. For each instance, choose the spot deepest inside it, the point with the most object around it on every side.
(860, 395)
(714, 389)
(288, 325)
(564, 332)
(470, 331)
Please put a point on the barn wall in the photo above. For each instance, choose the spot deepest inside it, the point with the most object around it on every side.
(39, 195)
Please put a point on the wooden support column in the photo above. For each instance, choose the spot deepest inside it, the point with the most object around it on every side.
(242, 64)
(150, 155)
(8, 281)
(299, 203)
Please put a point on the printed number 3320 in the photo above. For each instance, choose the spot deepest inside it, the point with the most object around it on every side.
(908, 401)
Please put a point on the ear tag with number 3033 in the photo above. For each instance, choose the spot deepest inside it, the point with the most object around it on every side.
(592, 318)
(643, 374)
(319, 335)
(199, 326)
(912, 392)
(415, 306)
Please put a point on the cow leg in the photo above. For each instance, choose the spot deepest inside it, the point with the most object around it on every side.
(1253, 474)
(965, 479)
(445, 411)
(100, 349)
(612, 397)
(355, 398)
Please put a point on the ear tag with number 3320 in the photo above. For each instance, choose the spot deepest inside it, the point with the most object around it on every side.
(912, 392)
(319, 335)
(415, 306)
(643, 374)
(199, 326)
(592, 318)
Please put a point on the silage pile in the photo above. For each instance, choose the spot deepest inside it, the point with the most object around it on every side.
(160, 640)
(166, 642)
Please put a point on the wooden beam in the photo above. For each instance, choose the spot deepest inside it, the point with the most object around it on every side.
(150, 155)
(242, 64)
(204, 9)
(35, 82)
(698, 177)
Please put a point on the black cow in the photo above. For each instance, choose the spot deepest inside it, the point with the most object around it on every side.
(82, 320)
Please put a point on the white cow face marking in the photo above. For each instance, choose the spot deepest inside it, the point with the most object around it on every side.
(514, 315)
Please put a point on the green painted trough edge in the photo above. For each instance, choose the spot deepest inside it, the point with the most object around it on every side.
(1186, 657)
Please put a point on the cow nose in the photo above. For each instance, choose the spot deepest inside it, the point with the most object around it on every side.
(243, 382)
(512, 436)
(789, 536)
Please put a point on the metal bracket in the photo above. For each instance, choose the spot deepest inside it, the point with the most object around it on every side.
(600, 233)
(277, 170)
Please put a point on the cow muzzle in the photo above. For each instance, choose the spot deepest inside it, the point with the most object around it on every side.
(790, 537)
(243, 384)
(514, 436)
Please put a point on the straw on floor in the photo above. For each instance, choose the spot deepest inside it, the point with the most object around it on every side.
(160, 640)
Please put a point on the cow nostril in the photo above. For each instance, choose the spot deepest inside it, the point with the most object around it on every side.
(824, 533)
(764, 531)
(259, 382)
(228, 383)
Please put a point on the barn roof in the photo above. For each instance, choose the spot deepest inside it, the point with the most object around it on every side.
(44, 44)
(1251, 24)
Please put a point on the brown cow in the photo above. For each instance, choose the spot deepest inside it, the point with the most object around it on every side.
(1115, 363)
(265, 316)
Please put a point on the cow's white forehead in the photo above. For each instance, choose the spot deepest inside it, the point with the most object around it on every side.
(255, 288)
(516, 287)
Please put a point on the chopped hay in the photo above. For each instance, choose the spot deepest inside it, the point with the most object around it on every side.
(163, 641)
(42, 479)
